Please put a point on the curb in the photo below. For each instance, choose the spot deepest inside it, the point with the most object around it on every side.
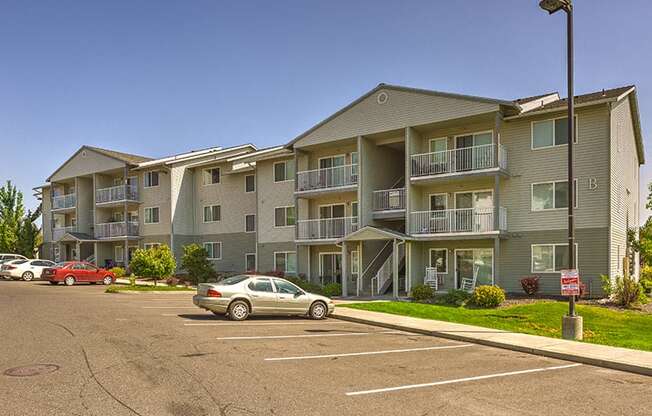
(613, 365)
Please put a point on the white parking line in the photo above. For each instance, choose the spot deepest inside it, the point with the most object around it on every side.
(351, 354)
(170, 307)
(262, 323)
(345, 334)
(460, 380)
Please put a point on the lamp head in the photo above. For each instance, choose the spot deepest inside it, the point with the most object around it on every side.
(552, 6)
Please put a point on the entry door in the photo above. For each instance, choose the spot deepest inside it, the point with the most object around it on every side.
(481, 259)
(464, 154)
(439, 216)
(463, 265)
(331, 267)
(474, 211)
(332, 177)
(331, 226)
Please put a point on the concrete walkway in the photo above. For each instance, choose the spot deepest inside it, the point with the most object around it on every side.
(624, 359)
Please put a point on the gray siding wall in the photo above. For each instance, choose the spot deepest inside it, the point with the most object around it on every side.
(86, 162)
(270, 195)
(85, 204)
(157, 196)
(266, 252)
(234, 247)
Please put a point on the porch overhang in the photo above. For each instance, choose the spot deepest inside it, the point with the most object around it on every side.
(371, 233)
(72, 237)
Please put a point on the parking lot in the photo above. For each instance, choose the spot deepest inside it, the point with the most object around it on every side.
(157, 354)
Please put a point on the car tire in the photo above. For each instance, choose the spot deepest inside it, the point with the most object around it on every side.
(238, 310)
(318, 310)
(27, 276)
(69, 280)
(54, 283)
(107, 280)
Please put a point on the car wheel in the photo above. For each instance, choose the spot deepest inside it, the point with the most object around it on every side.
(54, 283)
(238, 310)
(107, 280)
(69, 280)
(27, 276)
(318, 310)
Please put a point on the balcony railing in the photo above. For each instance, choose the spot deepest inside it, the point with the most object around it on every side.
(326, 178)
(465, 159)
(58, 232)
(116, 194)
(116, 229)
(464, 220)
(64, 201)
(326, 228)
(389, 199)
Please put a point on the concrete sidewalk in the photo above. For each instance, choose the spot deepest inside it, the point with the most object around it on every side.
(623, 359)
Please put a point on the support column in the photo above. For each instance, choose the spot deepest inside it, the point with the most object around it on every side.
(345, 269)
(125, 254)
(498, 122)
(395, 269)
(78, 249)
(497, 202)
(496, 270)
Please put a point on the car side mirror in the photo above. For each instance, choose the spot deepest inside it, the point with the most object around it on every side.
(299, 293)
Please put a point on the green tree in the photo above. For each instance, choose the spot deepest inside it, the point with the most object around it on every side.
(29, 234)
(11, 217)
(195, 262)
(155, 263)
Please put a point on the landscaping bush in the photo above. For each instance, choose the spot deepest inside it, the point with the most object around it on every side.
(195, 262)
(530, 285)
(625, 291)
(487, 296)
(305, 285)
(156, 263)
(422, 292)
(456, 297)
(332, 289)
(119, 272)
(645, 278)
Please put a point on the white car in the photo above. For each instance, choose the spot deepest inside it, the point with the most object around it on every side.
(25, 269)
(4, 258)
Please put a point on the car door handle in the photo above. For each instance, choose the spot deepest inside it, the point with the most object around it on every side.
(255, 296)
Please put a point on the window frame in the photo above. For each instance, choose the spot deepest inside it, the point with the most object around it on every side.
(212, 220)
(445, 250)
(286, 253)
(473, 134)
(285, 171)
(575, 194)
(576, 126)
(245, 223)
(437, 139)
(148, 175)
(255, 261)
(554, 256)
(245, 184)
(212, 249)
(219, 176)
(285, 208)
(158, 219)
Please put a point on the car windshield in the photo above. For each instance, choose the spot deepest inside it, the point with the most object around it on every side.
(233, 280)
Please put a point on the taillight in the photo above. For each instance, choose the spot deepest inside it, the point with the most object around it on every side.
(11, 267)
(212, 293)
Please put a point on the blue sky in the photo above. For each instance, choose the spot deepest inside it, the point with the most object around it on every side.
(161, 77)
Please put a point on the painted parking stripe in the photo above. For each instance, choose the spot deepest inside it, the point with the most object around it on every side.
(460, 380)
(352, 354)
(170, 307)
(261, 323)
(345, 334)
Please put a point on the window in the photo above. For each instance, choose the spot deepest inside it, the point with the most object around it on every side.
(439, 259)
(285, 261)
(551, 195)
(550, 133)
(354, 211)
(211, 176)
(250, 183)
(149, 246)
(286, 287)
(355, 262)
(261, 285)
(250, 262)
(550, 258)
(119, 254)
(250, 223)
(284, 217)
(214, 250)
(284, 171)
(212, 213)
(151, 215)
(151, 179)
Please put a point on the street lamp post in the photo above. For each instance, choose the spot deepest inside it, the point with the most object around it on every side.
(571, 324)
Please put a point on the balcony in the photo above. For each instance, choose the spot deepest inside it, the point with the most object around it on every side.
(389, 204)
(58, 232)
(465, 160)
(116, 229)
(334, 178)
(326, 228)
(116, 194)
(457, 221)
(64, 202)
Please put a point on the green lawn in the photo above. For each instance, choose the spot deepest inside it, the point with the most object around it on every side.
(146, 288)
(629, 329)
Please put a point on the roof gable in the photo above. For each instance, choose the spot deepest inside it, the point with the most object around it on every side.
(85, 161)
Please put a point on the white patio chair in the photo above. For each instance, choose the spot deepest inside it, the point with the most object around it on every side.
(469, 284)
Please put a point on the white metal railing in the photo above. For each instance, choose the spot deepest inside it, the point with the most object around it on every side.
(327, 177)
(459, 160)
(326, 228)
(464, 220)
(64, 201)
(116, 229)
(117, 193)
(58, 232)
(389, 199)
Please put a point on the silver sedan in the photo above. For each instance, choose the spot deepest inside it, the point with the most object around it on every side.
(239, 296)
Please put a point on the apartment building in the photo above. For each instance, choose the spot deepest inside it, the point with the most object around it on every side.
(401, 187)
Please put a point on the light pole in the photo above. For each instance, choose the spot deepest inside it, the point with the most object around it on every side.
(571, 324)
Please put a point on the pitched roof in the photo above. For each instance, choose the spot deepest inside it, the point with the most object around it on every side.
(125, 157)
(534, 97)
(610, 94)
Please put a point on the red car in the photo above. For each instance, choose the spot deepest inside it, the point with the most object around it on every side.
(72, 272)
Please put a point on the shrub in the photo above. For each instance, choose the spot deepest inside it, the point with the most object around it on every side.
(332, 289)
(645, 278)
(625, 291)
(195, 262)
(456, 297)
(132, 279)
(157, 262)
(487, 296)
(305, 285)
(119, 272)
(422, 292)
(530, 285)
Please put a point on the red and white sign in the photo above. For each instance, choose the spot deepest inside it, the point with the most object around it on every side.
(570, 282)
